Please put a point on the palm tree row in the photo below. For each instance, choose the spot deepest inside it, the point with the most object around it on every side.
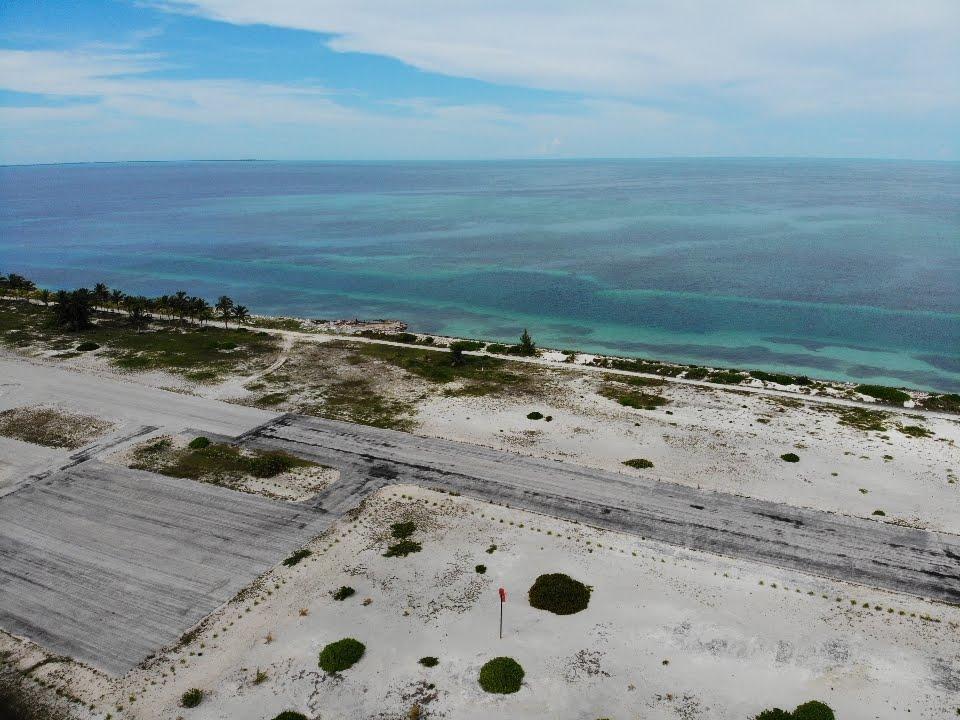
(141, 309)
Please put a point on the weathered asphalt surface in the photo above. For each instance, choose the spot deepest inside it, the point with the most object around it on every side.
(878, 554)
(107, 564)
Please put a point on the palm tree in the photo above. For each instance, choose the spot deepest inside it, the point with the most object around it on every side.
(101, 294)
(137, 314)
(116, 297)
(180, 304)
(45, 296)
(241, 314)
(224, 307)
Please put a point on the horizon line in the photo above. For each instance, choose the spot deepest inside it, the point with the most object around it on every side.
(481, 160)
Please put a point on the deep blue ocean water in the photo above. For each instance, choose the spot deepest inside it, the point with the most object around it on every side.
(833, 268)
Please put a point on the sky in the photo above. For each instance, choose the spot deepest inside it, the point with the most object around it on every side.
(112, 80)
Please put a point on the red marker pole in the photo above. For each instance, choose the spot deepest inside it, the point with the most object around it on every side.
(503, 599)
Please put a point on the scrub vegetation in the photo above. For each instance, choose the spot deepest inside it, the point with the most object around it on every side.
(51, 427)
(559, 594)
(341, 655)
(216, 463)
(502, 675)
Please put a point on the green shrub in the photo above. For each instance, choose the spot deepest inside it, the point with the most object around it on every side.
(468, 345)
(559, 594)
(481, 569)
(198, 443)
(191, 698)
(290, 715)
(942, 403)
(813, 710)
(403, 530)
(696, 373)
(881, 513)
(778, 378)
(535, 415)
(87, 346)
(343, 593)
(639, 463)
(916, 431)
(790, 457)
(726, 377)
(774, 714)
(297, 557)
(270, 465)
(341, 655)
(501, 675)
(428, 661)
(403, 548)
(881, 392)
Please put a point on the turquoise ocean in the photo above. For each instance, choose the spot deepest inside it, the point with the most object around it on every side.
(845, 269)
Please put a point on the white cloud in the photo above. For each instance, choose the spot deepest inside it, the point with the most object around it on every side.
(818, 55)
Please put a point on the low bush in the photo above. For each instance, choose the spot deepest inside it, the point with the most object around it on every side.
(428, 661)
(87, 346)
(297, 557)
(502, 675)
(290, 715)
(198, 443)
(942, 403)
(270, 464)
(403, 548)
(559, 594)
(191, 698)
(917, 431)
(341, 655)
(696, 373)
(881, 513)
(535, 415)
(883, 393)
(481, 569)
(726, 377)
(343, 593)
(813, 710)
(468, 345)
(790, 457)
(403, 530)
(639, 463)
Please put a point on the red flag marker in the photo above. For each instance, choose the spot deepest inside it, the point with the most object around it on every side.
(503, 599)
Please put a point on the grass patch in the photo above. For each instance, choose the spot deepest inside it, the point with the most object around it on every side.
(296, 557)
(639, 463)
(191, 698)
(429, 661)
(857, 417)
(628, 397)
(200, 353)
(355, 400)
(50, 427)
(916, 431)
(403, 548)
(502, 675)
(271, 399)
(343, 593)
(559, 594)
(790, 457)
(216, 463)
(883, 393)
(341, 655)
(942, 403)
(481, 375)
(403, 530)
